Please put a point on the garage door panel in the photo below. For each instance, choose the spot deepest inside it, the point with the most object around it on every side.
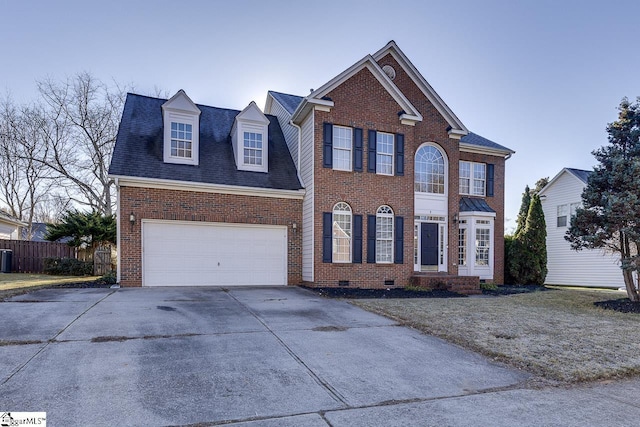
(201, 254)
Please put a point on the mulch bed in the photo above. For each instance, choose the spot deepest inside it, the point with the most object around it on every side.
(514, 289)
(83, 285)
(355, 293)
(623, 305)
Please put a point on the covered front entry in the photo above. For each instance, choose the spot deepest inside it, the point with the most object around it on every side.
(182, 253)
(430, 244)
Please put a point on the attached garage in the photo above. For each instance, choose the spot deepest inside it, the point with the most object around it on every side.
(176, 253)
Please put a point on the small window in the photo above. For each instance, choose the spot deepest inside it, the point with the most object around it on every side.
(429, 171)
(342, 146)
(252, 148)
(473, 178)
(483, 236)
(384, 153)
(181, 140)
(384, 235)
(341, 232)
(562, 215)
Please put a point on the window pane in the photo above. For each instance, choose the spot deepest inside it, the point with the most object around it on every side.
(342, 148)
(462, 246)
(482, 246)
(342, 233)
(429, 170)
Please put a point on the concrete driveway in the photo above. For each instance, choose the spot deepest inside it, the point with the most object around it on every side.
(258, 357)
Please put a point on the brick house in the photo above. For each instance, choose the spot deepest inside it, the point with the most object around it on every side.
(369, 181)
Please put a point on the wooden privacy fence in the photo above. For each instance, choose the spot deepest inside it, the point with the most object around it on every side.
(28, 257)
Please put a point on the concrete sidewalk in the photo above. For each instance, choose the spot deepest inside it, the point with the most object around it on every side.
(261, 357)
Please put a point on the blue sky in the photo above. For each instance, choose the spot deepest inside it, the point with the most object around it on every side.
(541, 77)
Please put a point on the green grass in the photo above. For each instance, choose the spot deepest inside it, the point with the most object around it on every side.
(558, 335)
(11, 281)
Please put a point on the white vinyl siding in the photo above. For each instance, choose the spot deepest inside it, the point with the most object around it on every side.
(290, 132)
(306, 173)
(566, 266)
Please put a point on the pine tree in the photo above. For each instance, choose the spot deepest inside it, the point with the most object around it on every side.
(534, 244)
(524, 210)
(610, 215)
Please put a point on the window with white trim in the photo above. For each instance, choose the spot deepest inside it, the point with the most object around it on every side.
(181, 140)
(342, 148)
(562, 215)
(473, 178)
(384, 153)
(483, 242)
(342, 231)
(384, 235)
(252, 148)
(462, 246)
(429, 170)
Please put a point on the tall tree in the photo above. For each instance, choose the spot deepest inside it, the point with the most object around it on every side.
(609, 218)
(540, 184)
(24, 182)
(521, 220)
(534, 244)
(80, 128)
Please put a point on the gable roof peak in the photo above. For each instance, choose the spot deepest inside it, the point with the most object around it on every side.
(319, 96)
(181, 101)
(457, 127)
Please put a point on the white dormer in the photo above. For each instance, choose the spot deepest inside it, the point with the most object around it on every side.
(250, 139)
(181, 119)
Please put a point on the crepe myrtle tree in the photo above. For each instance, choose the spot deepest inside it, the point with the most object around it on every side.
(609, 218)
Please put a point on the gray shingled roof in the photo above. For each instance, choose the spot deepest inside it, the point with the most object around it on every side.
(475, 139)
(139, 149)
(581, 174)
(469, 204)
(289, 102)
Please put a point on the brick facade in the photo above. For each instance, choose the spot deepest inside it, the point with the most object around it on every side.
(362, 102)
(176, 205)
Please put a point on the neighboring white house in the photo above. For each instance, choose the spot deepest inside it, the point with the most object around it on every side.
(9, 226)
(560, 199)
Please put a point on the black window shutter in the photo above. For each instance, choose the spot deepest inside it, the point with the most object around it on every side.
(490, 168)
(371, 238)
(327, 243)
(399, 241)
(357, 149)
(327, 145)
(399, 154)
(357, 239)
(371, 163)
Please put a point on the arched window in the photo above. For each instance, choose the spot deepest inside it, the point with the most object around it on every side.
(384, 235)
(430, 170)
(342, 232)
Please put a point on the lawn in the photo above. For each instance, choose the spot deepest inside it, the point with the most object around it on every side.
(11, 281)
(557, 334)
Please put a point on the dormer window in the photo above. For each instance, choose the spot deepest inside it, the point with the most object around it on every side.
(181, 120)
(250, 139)
(181, 140)
(253, 148)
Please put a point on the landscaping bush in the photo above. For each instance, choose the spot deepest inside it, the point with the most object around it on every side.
(110, 278)
(67, 267)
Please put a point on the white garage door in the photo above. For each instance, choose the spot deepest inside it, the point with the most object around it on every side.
(213, 254)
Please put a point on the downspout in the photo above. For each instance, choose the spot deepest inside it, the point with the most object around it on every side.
(118, 236)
